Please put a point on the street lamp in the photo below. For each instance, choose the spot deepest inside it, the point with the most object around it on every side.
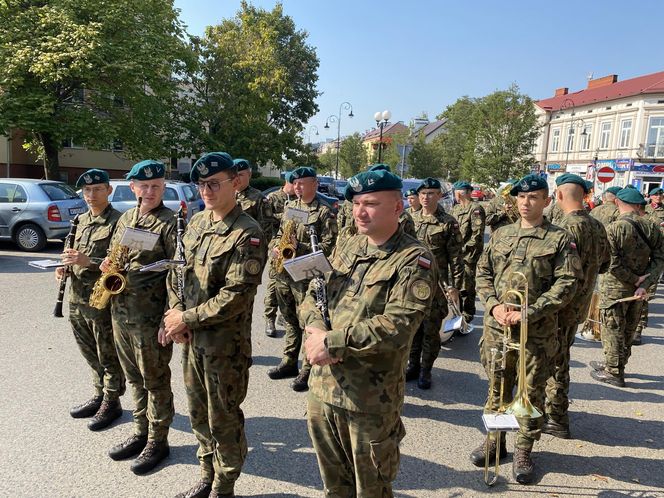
(312, 127)
(574, 123)
(337, 119)
(381, 120)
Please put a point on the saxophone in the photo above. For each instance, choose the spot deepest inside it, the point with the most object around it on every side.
(511, 209)
(286, 248)
(113, 282)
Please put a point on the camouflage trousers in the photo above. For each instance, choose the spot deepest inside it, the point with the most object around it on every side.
(358, 453)
(290, 296)
(93, 332)
(216, 386)
(643, 319)
(540, 353)
(467, 292)
(145, 364)
(270, 301)
(557, 387)
(426, 341)
(619, 324)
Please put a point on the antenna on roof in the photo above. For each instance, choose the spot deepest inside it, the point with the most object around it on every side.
(590, 76)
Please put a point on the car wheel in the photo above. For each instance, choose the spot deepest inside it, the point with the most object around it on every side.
(30, 237)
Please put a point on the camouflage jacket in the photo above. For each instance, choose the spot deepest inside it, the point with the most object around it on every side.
(440, 233)
(605, 213)
(225, 261)
(377, 298)
(471, 220)
(554, 214)
(345, 215)
(254, 203)
(144, 299)
(278, 201)
(93, 235)
(546, 256)
(405, 222)
(496, 216)
(592, 245)
(631, 257)
(656, 214)
(412, 211)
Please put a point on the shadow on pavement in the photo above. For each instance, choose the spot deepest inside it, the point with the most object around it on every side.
(617, 431)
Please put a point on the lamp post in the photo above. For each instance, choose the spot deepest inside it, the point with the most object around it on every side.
(381, 120)
(337, 118)
(569, 104)
(312, 127)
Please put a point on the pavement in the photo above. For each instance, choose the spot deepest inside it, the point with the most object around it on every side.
(617, 450)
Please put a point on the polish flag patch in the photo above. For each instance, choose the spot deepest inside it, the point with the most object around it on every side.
(255, 242)
(424, 262)
(572, 245)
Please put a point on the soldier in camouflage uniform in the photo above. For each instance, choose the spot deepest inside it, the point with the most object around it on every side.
(252, 201)
(92, 327)
(498, 213)
(607, 212)
(413, 201)
(637, 260)
(471, 219)
(589, 236)
(225, 252)
(290, 294)
(137, 313)
(381, 287)
(545, 255)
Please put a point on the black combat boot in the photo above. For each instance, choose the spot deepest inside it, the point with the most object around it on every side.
(108, 412)
(201, 489)
(282, 371)
(424, 382)
(478, 456)
(87, 409)
(153, 453)
(412, 370)
(557, 430)
(301, 382)
(270, 328)
(523, 468)
(608, 378)
(129, 448)
(597, 365)
(214, 494)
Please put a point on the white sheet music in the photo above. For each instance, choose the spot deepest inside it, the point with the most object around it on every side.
(308, 266)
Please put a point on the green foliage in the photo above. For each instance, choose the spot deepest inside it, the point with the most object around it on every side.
(265, 182)
(327, 162)
(426, 160)
(352, 156)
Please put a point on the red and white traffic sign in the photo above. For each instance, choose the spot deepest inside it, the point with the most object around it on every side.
(605, 174)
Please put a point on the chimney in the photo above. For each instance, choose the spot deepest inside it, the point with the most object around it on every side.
(561, 91)
(604, 81)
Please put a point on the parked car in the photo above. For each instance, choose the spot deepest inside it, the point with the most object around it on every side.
(341, 188)
(177, 195)
(477, 194)
(327, 186)
(32, 211)
(329, 201)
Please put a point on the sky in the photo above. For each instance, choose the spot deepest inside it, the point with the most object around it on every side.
(413, 56)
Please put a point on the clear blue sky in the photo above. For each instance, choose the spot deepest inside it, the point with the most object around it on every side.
(414, 56)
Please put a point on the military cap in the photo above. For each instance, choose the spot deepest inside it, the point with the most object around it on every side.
(242, 164)
(429, 183)
(210, 164)
(657, 191)
(631, 196)
(146, 170)
(411, 191)
(629, 186)
(462, 185)
(288, 177)
(566, 178)
(378, 167)
(529, 183)
(92, 177)
(303, 172)
(614, 190)
(372, 181)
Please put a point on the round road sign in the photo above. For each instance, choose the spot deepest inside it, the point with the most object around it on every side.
(605, 174)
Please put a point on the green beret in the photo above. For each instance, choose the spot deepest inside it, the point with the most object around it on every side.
(566, 178)
(631, 196)
(411, 191)
(590, 185)
(378, 167)
(429, 183)
(657, 191)
(462, 185)
(303, 172)
(210, 164)
(92, 177)
(242, 164)
(372, 181)
(288, 177)
(629, 186)
(613, 190)
(529, 183)
(146, 170)
(513, 181)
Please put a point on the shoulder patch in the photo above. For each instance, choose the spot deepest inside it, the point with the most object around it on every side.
(424, 262)
(572, 245)
(421, 290)
(252, 266)
(254, 241)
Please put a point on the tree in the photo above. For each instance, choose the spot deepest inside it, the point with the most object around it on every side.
(456, 146)
(95, 72)
(255, 86)
(327, 162)
(352, 156)
(425, 160)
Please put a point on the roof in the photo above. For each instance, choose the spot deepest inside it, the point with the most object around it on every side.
(650, 83)
(389, 129)
(431, 127)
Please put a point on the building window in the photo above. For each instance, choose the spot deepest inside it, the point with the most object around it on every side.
(586, 137)
(625, 133)
(69, 143)
(655, 147)
(569, 145)
(555, 140)
(605, 135)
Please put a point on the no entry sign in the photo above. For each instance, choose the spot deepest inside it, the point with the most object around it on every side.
(605, 174)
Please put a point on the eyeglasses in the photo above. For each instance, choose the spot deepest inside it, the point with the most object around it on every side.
(429, 194)
(94, 190)
(213, 185)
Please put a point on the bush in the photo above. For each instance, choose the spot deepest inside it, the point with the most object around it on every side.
(265, 182)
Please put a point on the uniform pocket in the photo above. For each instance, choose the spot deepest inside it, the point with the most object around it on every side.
(385, 454)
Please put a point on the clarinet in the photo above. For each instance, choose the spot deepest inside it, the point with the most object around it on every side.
(319, 282)
(69, 244)
(179, 254)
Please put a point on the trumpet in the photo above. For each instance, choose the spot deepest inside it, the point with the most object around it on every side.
(510, 207)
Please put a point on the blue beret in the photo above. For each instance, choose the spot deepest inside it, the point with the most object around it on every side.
(146, 170)
(303, 172)
(529, 183)
(462, 185)
(92, 177)
(372, 181)
(210, 164)
(614, 190)
(657, 191)
(429, 183)
(566, 178)
(631, 196)
(242, 164)
(378, 167)
(411, 191)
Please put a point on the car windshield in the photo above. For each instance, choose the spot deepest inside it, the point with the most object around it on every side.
(170, 194)
(58, 191)
(408, 184)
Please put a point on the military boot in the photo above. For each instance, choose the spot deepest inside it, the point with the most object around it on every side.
(608, 378)
(424, 382)
(283, 371)
(301, 382)
(412, 370)
(129, 448)
(523, 468)
(597, 365)
(214, 494)
(201, 489)
(557, 430)
(108, 412)
(478, 456)
(153, 453)
(270, 328)
(87, 409)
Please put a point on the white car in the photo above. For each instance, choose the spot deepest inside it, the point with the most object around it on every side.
(177, 195)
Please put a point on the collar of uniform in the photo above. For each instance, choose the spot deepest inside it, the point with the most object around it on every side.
(224, 226)
(435, 217)
(101, 217)
(382, 251)
(630, 214)
(312, 206)
(539, 232)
